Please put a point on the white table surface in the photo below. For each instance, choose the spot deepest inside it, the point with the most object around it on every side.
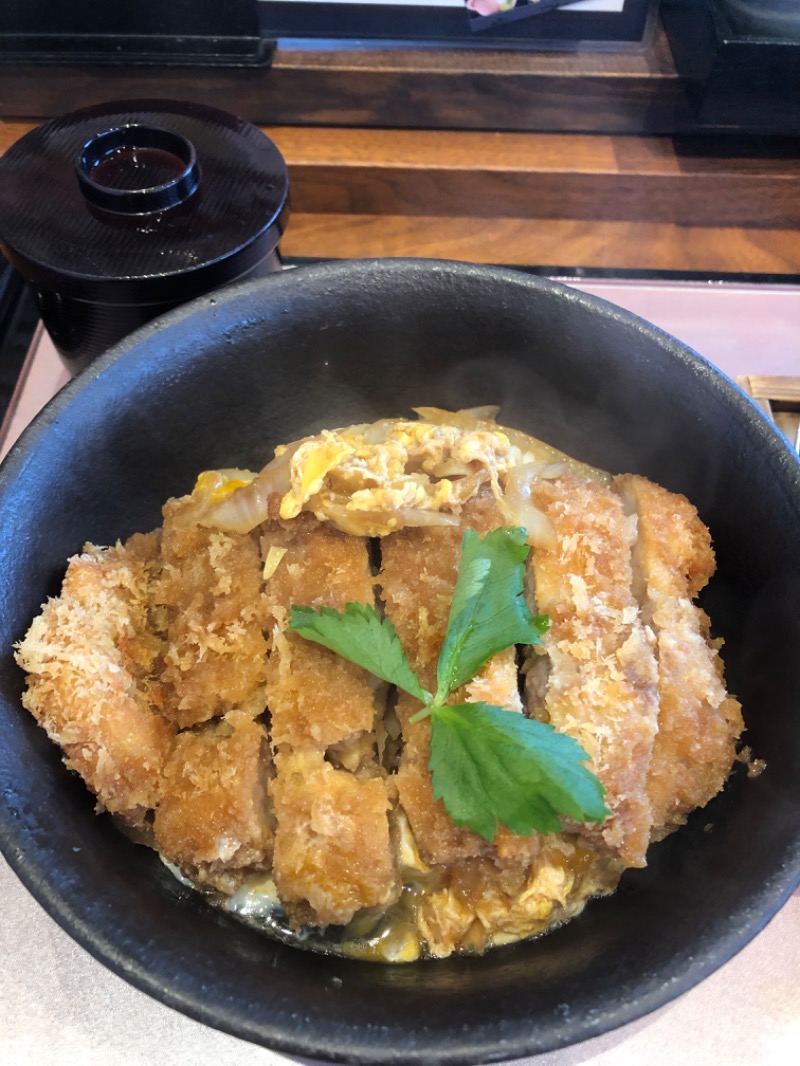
(59, 1006)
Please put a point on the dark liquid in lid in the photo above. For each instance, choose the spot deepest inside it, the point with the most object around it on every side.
(130, 167)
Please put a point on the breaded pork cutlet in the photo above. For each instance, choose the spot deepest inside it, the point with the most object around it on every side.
(486, 893)
(601, 683)
(209, 595)
(263, 765)
(333, 849)
(213, 820)
(316, 698)
(88, 657)
(698, 722)
(418, 575)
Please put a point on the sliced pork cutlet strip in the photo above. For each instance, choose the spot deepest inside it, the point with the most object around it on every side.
(333, 848)
(88, 656)
(316, 698)
(601, 684)
(699, 723)
(438, 839)
(209, 592)
(419, 570)
(214, 820)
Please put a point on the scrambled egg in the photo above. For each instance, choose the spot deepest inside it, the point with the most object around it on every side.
(371, 480)
(414, 466)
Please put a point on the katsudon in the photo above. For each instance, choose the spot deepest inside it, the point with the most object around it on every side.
(298, 789)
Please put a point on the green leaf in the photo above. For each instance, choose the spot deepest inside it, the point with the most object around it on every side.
(488, 612)
(360, 635)
(490, 765)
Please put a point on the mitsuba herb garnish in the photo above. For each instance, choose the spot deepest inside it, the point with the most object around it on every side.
(488, 765)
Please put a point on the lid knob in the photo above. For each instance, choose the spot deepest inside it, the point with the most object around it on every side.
(137, 169)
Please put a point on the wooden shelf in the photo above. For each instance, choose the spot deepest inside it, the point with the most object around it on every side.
(336, 84)
(623, 200)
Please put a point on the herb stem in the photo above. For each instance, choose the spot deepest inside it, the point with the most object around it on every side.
(424, 712)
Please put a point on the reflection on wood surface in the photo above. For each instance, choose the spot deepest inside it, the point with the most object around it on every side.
(778, 397)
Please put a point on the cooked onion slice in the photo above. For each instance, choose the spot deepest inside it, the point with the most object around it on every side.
(247, 504)
(272, 561)
(516, 505)
(381, 523)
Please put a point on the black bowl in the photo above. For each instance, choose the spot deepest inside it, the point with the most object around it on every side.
(218, 383)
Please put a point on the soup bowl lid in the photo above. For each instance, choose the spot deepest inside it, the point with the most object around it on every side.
(143, 201)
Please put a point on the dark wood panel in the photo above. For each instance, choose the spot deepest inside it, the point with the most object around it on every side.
(548, 243)
(628, 92)
(730, 182)
(695, 200)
